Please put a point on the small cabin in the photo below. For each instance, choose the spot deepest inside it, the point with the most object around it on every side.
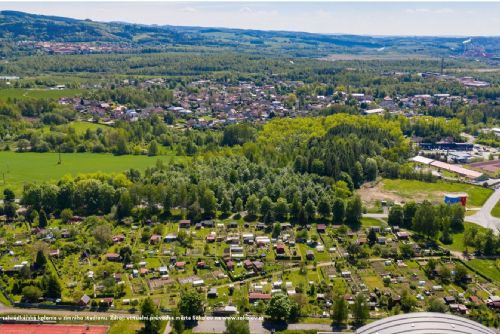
(186, 223)
(154, 239)
(113, 257)
(212, 293)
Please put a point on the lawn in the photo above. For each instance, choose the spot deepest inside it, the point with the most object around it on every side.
(409, 189)
(4, 300)
(80, 127)
(368, 222)
(22, 93)
(458, 239)
(489, 268)
(373, 281)
(19, 168)
(125, 327)
(496, 210)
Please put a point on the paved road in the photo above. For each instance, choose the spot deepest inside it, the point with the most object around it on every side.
(256, 327)
(483, 216)
(218, 326)
(308, 327)
(209, 326)
(376, 215)
(168, 329)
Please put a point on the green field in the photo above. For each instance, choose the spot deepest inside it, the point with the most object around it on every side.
(496, 210)
(80, 127)
(411, 189)
(20, 168)
(23, 93)
(458, 239)
(489, 268)
(125, 327)
(368, 222)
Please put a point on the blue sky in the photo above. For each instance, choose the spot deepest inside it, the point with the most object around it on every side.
(368, 18)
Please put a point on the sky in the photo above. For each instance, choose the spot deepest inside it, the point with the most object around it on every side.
(364, 18)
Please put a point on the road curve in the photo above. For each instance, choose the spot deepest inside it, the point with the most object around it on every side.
(483, 216)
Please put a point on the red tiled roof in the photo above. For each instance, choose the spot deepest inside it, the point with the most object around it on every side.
(258, 295)
(475, 299)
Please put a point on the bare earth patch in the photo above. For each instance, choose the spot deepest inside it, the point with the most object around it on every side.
(374, 191)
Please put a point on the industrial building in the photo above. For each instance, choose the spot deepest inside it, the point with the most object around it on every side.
(445, 146)
(468, 173)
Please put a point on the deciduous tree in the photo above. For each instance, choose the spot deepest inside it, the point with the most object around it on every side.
(149, 310)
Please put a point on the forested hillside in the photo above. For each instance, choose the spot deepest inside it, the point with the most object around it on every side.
(18, 26)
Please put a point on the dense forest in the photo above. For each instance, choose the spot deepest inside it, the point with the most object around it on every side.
(303, 164)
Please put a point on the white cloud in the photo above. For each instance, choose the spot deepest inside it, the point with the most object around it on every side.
(444, 11)
(429, 11)
(246, 10)
(336, 17)
(188, 10)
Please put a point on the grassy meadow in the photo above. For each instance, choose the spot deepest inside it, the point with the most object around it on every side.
(496, 210)
(125, 327)
(80, 127)
(369, 222)
(17, 169)
(458, 239)
(412, 189)
(488, 267)
(24, 93)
